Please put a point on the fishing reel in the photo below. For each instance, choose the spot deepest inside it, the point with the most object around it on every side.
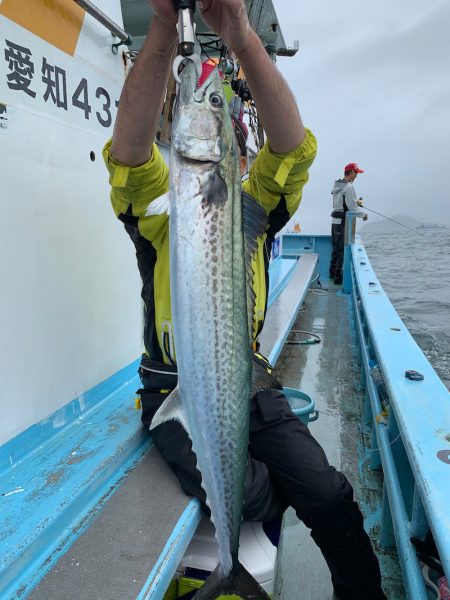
(241, 89)
(230, 69)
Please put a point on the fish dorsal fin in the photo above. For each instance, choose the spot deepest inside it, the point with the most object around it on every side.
(255, 222)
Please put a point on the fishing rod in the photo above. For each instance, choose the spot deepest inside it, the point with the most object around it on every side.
(389, 219)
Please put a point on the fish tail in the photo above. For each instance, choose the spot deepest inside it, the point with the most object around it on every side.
(239, 582)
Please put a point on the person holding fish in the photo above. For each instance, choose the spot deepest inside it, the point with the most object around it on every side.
(203, 242)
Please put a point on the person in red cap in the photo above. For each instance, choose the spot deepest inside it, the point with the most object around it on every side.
(286, 465)
(344, 199)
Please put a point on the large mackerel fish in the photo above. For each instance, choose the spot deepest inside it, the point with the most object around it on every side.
(212, 238)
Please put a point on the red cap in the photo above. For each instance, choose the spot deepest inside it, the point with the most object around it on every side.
(353, 167)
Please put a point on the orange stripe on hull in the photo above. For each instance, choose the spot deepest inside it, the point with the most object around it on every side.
(58, 22)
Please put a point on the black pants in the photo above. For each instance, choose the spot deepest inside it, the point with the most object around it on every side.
(337, 256)
(286, 467)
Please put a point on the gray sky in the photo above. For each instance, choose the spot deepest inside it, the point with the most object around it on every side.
(372, 80)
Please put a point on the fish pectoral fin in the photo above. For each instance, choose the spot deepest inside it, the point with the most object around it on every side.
(239, 582)
(170, 410)
(159, 206)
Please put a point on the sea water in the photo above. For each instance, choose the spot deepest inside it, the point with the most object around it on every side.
(414, 270)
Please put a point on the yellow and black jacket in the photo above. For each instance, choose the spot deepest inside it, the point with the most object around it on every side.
(276, 181)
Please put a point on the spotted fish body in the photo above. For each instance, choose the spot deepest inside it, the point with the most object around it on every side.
(208, 295)
(210, 315)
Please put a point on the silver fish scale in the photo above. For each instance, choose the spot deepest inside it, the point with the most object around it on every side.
(213, 356)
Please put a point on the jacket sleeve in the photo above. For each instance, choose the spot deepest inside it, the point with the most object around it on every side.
(350, 200)
(275, 175)
(133, 189)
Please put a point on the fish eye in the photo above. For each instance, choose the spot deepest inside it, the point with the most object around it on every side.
(216, 100)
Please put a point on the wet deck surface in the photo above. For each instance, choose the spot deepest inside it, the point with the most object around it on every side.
(329, 373)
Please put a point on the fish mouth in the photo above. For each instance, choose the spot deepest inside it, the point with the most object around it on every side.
(196, 161)
(195, 149)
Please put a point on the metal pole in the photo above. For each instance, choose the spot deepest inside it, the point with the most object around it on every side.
(100, 16)
(350, 217)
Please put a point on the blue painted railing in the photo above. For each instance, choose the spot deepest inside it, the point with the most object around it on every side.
(412, 444)
(164, 570)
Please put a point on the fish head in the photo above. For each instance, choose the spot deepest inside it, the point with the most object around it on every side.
(202, 130)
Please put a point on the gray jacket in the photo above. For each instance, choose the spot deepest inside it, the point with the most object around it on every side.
(344, 190)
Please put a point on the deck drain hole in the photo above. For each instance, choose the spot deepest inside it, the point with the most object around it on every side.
(395, 329)
(92, 155)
